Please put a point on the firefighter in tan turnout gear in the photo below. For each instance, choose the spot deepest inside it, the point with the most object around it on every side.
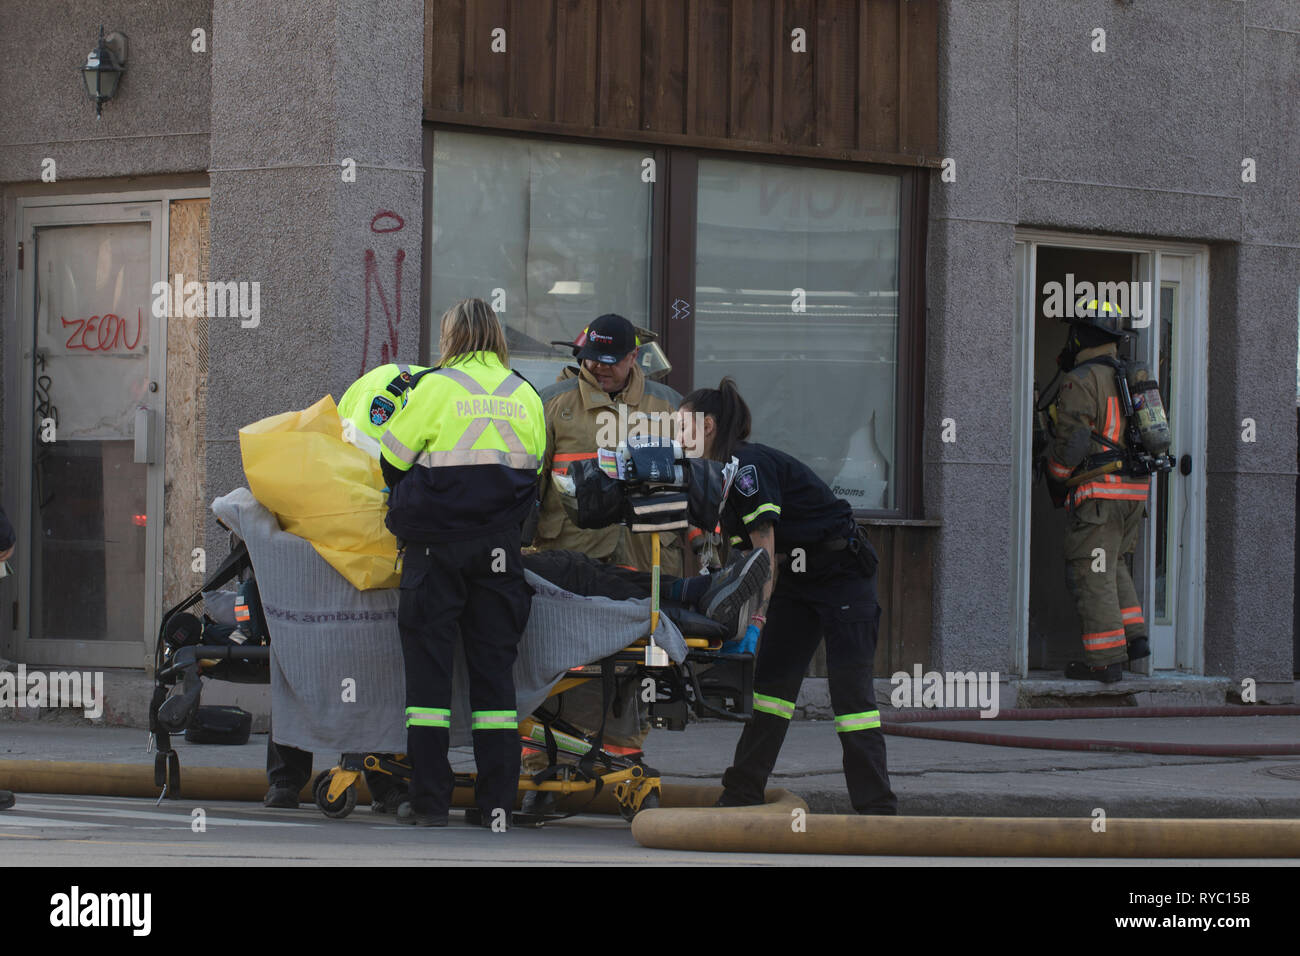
(595, 405)
(1103, 474)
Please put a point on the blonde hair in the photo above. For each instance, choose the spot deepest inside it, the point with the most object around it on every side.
(470, 326)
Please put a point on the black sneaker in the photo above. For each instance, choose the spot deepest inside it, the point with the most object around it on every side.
(281, 797)
(1139, 648)
(729, 799)
(1110, 674)
(7, 799)
(732, 587)
(475, 817)
(406, 814)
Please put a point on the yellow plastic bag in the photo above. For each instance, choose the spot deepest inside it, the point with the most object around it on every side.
(324, 489)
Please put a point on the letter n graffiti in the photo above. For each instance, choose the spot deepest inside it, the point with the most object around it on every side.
(383, 221)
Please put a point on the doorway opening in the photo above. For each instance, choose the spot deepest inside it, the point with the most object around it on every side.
(1164, 304)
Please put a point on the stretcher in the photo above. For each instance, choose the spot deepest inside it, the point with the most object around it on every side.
(696, 679)
(707, 683)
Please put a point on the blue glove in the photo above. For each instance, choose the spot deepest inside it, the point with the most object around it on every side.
(747, 645)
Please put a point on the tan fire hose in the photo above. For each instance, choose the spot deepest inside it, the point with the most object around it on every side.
(732, 831)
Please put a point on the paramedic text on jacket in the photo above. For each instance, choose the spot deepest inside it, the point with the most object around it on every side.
(472, 434)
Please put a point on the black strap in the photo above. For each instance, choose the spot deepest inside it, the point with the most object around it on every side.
(588, 760)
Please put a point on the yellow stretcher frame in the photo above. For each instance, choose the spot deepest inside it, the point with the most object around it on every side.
(635, 787)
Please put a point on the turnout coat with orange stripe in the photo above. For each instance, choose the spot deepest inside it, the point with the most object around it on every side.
(578, 419)
(1089, 399)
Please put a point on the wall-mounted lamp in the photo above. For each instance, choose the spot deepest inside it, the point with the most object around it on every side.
(104, 68)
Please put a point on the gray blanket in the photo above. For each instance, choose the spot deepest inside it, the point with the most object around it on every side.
(337, 679)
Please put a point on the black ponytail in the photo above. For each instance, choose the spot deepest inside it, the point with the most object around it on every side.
(730, 415)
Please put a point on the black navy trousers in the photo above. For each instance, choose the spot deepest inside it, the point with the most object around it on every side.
(837, 602)
(473, 590)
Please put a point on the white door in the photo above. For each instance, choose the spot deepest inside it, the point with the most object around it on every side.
(1172, 565)
(91, 476)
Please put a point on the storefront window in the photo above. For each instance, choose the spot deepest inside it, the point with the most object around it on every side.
(551, 234)
(796, 275)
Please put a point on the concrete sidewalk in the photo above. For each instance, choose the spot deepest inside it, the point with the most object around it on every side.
(930, 777)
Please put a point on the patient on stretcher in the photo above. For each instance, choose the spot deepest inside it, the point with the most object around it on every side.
(706, 605)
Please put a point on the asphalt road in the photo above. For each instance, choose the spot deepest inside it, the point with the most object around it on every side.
(79, 831)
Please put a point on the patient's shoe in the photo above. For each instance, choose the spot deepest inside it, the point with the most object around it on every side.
(733, 587)
(7, 799)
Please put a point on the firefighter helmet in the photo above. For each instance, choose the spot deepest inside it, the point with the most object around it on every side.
(1101, 315)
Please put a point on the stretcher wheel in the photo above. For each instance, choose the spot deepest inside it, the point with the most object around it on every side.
(630, 807)
(341, 806)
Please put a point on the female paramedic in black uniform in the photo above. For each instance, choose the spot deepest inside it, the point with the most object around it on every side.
(823, 584)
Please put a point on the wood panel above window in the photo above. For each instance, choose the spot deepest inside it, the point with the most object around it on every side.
(719, 74)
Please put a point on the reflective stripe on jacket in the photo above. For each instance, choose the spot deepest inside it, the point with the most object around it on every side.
(472, 436)
(1089, 399)
(372, 400)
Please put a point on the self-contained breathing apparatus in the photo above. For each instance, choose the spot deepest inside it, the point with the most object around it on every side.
(647, 484)
(1146, 425)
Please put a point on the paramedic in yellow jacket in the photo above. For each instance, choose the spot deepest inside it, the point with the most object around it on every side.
(595, 406)
(1105, 510)
(370, 403)
(462, 460)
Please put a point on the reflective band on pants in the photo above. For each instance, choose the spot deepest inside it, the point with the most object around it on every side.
(1101, 640)
(494, 720)
(774, 706)
(866, 720)
(428, 717)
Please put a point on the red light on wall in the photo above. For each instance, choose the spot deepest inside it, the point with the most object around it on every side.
(139, 520)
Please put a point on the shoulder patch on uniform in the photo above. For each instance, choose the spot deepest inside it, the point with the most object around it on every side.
(556, 389)
(381, 410)
(747, 481)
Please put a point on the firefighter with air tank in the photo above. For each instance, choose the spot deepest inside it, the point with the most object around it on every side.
(1099, 442)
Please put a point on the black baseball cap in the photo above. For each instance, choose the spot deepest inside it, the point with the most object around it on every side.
(607, 339)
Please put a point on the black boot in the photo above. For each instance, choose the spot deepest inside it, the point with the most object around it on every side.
(1110, 674)
(406, 815)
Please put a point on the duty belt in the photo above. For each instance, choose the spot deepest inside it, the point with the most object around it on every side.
(835, 544)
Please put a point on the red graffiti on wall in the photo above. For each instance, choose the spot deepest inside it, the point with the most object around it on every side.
(109, 332)
(383, 221)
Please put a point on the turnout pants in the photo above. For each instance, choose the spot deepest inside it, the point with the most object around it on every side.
(1109, 610)
(474, 590)
(583, 705)
(838, 604)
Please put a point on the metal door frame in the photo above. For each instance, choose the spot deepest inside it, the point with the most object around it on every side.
(1191, 370)
(32, 213)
